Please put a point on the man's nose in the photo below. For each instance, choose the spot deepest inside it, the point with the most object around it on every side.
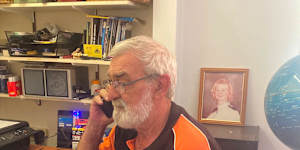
(112, 93)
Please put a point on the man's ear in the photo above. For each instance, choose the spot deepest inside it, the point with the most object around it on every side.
(163, 86)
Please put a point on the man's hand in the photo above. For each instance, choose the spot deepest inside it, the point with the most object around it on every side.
(96, 124)
(97, 114)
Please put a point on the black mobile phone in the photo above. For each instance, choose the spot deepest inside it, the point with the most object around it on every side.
(107, 108)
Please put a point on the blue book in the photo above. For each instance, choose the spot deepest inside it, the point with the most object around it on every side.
(103, 37)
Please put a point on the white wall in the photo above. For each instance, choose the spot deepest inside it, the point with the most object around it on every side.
(257, 34)
(164, 22)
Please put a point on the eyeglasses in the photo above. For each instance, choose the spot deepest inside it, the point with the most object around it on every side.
(120, 86)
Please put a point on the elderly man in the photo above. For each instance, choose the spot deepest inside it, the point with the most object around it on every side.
(143, 78)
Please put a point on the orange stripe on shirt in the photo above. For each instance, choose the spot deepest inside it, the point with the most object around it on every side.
(188, 137)
(109, 141)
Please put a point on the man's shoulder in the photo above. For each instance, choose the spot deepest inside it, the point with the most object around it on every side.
(181, 114)
(186, 123)
(189, 135)
(188, 126)
(188, 131)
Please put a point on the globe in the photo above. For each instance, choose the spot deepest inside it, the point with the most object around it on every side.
(282, 103)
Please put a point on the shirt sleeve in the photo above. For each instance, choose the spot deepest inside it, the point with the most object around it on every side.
(108, 142)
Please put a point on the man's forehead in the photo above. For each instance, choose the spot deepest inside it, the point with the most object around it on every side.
(117, 69)
(124, 64)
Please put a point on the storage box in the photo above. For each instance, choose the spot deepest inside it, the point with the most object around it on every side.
(93, 50)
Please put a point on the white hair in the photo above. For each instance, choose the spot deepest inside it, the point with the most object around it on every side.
(156, 58)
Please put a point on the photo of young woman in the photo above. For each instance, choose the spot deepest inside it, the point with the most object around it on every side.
(222, 95)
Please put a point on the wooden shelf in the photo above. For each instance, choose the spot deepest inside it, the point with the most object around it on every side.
(83, 101)
(105, 4)
(57, 60)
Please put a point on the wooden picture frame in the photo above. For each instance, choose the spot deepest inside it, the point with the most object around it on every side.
(222, 96)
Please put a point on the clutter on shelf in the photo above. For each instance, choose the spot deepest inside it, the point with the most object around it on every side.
(103, 32)
(44, 42)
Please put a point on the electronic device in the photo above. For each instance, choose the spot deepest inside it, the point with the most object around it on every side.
(64, 128)
(48, 82)
(107, 108)
(68, 123)
(15, 135)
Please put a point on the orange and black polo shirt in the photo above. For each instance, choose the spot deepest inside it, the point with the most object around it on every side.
(181, 132)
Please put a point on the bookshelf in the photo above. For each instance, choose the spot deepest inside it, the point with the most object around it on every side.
(70, 16)
(67, 13)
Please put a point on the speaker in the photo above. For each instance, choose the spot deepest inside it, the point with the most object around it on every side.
(59, 82)
(33, 82)
(48, 82)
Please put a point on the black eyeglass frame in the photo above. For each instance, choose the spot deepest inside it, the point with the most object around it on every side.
(116, 84)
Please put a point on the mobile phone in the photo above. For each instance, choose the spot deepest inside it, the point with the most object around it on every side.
(107, 108)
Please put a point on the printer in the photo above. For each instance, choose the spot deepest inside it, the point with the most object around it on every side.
(15, 135)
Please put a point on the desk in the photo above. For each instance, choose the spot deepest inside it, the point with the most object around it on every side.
(235, 137)
(41, 147)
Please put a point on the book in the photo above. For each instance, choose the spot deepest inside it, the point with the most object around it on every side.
(88, 32)
(106, 31)
(123, 31)
(118, 31)
(103, 36)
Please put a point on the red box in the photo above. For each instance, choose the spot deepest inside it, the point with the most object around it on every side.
(14, 88)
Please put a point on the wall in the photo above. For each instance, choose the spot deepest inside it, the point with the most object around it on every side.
(164, 23)
(254, 34)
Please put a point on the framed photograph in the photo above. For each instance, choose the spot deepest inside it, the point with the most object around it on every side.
(222, 96)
